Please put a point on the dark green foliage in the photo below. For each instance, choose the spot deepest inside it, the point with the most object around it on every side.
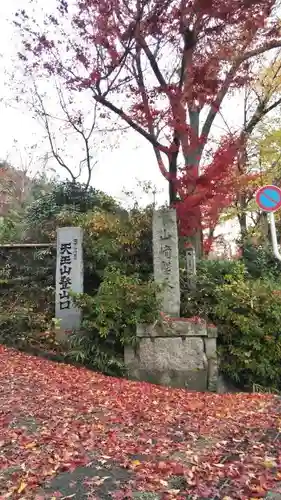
(247, 312)
(260, 262)
(249, 315)
(70, 197)
(26, 293)
(240, 297)
(20, 327)
(117, 271)
(110, 318)
(104, 355)
(27, 277)
(11, 229)
(119, 305)
(210, 275)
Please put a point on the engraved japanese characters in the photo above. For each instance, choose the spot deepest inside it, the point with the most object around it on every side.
(166, 259)
(69, 275)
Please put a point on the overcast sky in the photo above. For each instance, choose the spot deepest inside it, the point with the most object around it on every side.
(119, 168)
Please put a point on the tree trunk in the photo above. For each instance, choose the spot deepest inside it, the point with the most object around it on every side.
(265, 229)
(172, 189)
(242, 218)
(197, 239)
(173, 170)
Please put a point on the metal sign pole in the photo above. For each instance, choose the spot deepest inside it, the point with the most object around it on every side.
(268, 199)
(274, 236)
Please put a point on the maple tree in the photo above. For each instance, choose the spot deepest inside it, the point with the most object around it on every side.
(258, 158)
(267, 146)
(159, 66)
(173, 443)
(261, 166)
(260, 100)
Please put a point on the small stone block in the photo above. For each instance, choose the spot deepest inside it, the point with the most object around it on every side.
(213, 375)
(129, 356)
(188, 328)
(145, 330)
(210, 347)
(212, 331)
(172, 328)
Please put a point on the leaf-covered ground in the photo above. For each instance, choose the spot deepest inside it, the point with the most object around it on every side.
(71, 433)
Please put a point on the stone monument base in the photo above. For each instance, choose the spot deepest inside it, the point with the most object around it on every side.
(177, 353)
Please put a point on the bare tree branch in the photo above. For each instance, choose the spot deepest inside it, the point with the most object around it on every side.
(222, 93)
(215, 107)
(44, 116)
(138, 74)
(273, 106)
(76, 124)
(258, 51)
(152, 60)
(131, 123)
(85, 137)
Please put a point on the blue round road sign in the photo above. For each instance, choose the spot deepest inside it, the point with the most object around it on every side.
(268, 198)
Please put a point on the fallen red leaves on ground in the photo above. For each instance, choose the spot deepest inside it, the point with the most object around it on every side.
(218, 446)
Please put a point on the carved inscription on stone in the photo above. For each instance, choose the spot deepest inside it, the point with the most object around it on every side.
(166, 258)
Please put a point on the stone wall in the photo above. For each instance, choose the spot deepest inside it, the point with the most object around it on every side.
(177, 353)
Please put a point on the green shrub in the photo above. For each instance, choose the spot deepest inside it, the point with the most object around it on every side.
(247, 312)
(120, 240)
(260, 262)
(20, 327)
(210, 275)
(249, 315)
(110, 318)
(112, 237)
(120, 304)
(26, 293)
(102, 354)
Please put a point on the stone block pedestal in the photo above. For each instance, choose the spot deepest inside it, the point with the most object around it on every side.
(174, 351)
(177, 353)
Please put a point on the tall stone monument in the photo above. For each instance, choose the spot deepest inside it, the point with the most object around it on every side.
(69, 276)
(166, 259)
(179, 352)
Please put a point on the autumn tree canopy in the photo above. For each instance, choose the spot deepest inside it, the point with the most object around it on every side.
(163, 66)
(260, 101)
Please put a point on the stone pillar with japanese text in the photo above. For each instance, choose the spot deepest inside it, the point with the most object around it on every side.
(173, 351)
(69, 276)
(166, 259)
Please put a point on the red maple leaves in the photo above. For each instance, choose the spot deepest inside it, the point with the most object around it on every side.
(161, 67)
(53, 417)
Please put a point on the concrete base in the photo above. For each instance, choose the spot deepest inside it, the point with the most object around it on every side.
(195, 381)
(177, 353)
